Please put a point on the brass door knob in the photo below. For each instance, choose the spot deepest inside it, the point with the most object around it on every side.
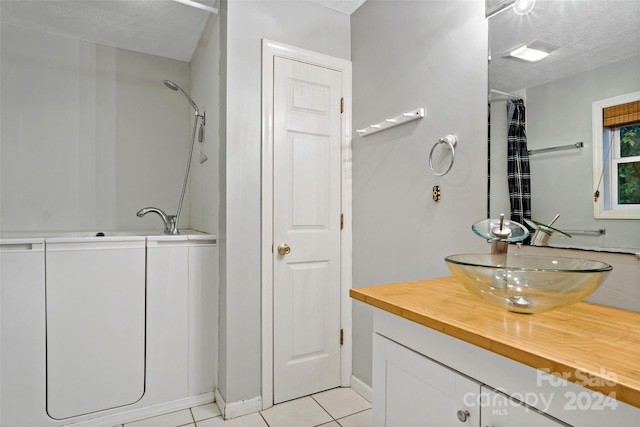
(284, 249)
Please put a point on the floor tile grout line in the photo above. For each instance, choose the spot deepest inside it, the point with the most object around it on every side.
(345, 416)
(323, 408)
(264, 419)
(192, 416)
(332, 418)
(350, 415)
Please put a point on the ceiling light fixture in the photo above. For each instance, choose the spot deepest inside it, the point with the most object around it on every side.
(531, 52)
(523, 7)
(527, 54)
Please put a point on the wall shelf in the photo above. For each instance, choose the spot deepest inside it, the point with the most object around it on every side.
(392, 122)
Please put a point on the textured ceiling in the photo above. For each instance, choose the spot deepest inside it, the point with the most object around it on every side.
(158, 27)
(589, 34)
(344, 6)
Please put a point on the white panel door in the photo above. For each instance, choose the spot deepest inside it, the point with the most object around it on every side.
(306, 217)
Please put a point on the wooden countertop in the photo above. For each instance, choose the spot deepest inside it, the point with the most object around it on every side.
(594, 346)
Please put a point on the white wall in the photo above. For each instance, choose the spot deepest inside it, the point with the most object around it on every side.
(410, 54)
(89, 134)
(244, 24)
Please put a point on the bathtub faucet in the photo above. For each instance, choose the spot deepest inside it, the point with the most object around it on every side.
(170, 221)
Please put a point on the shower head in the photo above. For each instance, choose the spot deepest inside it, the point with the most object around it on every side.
(171, 85)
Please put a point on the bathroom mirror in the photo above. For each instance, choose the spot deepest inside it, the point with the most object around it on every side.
(597, 57)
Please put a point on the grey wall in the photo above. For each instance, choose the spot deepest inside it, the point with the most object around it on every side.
(244, 24)
(410, 54)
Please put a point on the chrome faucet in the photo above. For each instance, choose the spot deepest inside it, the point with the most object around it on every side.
(170, 221)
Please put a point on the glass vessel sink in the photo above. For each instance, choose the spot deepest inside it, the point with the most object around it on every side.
(486, 227)
(528, 283)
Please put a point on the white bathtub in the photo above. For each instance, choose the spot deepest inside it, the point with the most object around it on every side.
(9, 236)
(102, 330)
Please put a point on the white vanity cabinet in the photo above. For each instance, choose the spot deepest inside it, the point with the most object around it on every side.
(499, 410)
(411, 389)
(436, 345)
(422, 377)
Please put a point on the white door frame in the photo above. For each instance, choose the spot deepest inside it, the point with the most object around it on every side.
(270, 49)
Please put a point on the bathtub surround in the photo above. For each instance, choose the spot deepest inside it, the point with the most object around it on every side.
(151, 349)
(89, 134)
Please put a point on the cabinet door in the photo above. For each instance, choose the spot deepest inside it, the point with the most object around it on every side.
(412, 390)
(500, 410)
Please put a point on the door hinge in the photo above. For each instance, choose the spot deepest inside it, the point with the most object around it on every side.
(341, 336)
(341, 221)
(341, 105)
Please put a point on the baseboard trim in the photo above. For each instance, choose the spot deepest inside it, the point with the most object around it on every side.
(361, 388)
(239, 408)
(146, 412)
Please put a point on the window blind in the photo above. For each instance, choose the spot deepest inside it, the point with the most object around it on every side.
(621, 115)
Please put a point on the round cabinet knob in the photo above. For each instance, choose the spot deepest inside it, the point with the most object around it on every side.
(284, 249)
(463, 416)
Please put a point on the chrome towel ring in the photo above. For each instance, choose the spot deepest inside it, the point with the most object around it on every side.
(452, 141)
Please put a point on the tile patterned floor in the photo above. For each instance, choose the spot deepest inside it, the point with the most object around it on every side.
(340, 407)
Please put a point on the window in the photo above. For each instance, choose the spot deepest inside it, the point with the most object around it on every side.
(625, 167)
(616, 172)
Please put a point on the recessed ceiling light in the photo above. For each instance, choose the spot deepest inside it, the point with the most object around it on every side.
(531, 52)
(528, 54)
(523, 7)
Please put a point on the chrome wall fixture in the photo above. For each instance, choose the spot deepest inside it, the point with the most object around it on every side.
(451, 141)
(558, 148)
(171, 221)
(598, 232)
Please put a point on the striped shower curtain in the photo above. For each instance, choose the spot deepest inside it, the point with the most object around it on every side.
(519, 178)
